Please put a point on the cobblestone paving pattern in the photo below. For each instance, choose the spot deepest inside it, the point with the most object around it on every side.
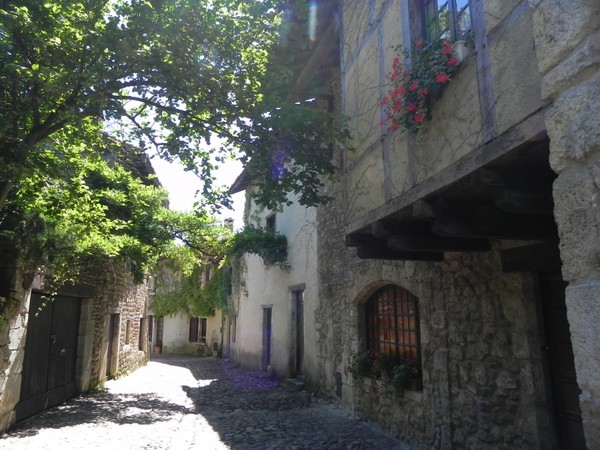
(179, 402)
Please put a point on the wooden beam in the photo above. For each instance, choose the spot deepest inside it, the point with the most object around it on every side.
(517, 227)
(524, 202)
(384, 228)
(422, 210)
(386, 253)
(531, 258)
(436, 244)
(363, 239)
(371, 247)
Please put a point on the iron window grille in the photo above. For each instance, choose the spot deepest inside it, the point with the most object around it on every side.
(392, 325)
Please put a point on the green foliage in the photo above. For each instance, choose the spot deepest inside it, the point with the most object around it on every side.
(288, 143)
(169, 75)
(361, 365)
(77, 203)
(185, 293)
(182, 289)
(269, 245)
(383, 367)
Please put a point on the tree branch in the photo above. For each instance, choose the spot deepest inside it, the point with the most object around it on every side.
(149, 103)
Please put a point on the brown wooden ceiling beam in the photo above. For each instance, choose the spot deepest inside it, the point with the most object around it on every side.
(531, 258)
(524, 202)
(516, 227)
(362, 240)
(387, 253)
(385, 228)
(436, 244)
(371, 247)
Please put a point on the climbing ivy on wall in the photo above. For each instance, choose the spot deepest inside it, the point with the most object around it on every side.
(188, 290)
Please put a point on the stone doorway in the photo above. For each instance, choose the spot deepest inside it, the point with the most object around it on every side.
(560, 361)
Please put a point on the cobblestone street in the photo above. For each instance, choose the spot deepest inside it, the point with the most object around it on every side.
(180, 402)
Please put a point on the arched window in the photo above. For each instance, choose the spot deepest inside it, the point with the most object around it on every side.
(392, 325)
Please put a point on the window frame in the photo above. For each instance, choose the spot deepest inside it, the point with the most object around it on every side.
(430, 14)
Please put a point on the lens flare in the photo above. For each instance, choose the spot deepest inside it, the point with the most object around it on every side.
(312, 20)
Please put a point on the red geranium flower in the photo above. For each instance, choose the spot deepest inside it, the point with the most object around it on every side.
(441, 78)
(453, 61)
(414, 86)
(446, 51)
(398, 91)
(419, 118)
(412, 107)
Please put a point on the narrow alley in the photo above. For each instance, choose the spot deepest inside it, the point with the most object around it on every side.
(179, 402)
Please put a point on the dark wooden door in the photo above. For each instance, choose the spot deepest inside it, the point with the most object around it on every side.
(559, 350)
(299, 300)
(267, 331)
(114, 329)
(50, 354)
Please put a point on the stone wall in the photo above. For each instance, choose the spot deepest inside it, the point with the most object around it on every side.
(15, 303)
(567, 43)
(480, 346)
(483, 372)
(116, 293)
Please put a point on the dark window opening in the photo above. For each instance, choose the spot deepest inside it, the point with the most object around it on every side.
(392, 326)
(127, 332)
(270, 223)
(141, 335)
(445, 19)
(197, 329)
(193, 334)
(202, 336)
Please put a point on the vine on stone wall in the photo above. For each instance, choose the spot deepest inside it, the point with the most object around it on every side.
(192, 293)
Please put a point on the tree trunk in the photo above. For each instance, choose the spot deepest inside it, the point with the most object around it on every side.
(5, 188)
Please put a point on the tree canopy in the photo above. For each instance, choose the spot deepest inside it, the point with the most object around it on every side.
(168, 76)
(166, 73)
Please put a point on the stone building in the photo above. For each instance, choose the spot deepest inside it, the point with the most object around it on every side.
(469, 249)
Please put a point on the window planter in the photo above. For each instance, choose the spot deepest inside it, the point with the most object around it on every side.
(460, 50)
(412, 87)
(383, 371)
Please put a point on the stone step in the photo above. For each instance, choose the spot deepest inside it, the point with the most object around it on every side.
(296, 383)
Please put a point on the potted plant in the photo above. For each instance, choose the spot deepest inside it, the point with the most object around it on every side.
(413, 87)
(383, 369)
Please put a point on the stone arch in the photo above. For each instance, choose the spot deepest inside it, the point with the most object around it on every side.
(365, 293)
